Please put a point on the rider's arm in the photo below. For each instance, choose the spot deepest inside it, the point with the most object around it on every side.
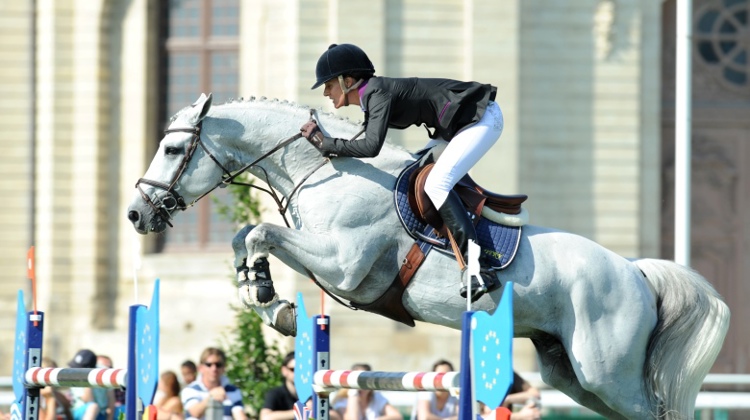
(378, 112)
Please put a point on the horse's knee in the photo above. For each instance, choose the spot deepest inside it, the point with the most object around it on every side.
(238, 245)
(239, 238)
(257, 237)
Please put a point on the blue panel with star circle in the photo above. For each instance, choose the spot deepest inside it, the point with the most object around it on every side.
(492, 351)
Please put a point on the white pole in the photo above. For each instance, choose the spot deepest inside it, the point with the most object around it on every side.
(682, 132)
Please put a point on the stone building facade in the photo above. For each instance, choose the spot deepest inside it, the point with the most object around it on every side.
(579, 84)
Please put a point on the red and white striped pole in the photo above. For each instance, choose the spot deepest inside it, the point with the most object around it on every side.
(390, 381)
(75, 377)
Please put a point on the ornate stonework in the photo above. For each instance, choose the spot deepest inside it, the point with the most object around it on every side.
(721, 33)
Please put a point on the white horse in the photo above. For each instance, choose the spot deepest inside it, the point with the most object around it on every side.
(628, 339)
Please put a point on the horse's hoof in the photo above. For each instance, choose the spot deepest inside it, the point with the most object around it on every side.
(285, 319)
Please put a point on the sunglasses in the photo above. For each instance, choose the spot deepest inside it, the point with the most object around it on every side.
(218, 365)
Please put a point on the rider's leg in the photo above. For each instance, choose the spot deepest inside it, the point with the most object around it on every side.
(457, 220)
(461, 154)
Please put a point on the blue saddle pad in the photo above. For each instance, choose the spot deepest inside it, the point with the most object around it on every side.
(499, 243)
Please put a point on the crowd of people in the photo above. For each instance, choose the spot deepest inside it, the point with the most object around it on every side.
(523, 400)
(205, 387)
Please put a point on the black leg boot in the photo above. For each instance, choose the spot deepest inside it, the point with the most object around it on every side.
(262, 278)
(457, 221)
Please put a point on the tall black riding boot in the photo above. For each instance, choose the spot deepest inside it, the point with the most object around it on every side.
(456, 219)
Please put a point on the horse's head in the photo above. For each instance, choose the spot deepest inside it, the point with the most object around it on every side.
(178, 175)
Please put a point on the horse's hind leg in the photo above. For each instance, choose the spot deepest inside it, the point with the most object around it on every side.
(556, 371)
(608, 353)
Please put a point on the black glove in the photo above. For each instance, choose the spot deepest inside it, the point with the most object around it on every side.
(312, 133)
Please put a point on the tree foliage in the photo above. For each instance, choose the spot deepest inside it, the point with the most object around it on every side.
(253, 365)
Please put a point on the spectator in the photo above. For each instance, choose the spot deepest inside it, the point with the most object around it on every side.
(363, 404)
(116, 396)
(168, 400)
(279, 402)
(89, 403)
(54, 404)
(188, 371)
(520, 393)
(211, 384)
(436, 405)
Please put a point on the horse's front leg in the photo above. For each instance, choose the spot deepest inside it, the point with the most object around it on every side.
(299, 250)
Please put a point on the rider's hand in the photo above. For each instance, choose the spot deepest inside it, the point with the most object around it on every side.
(312, 133)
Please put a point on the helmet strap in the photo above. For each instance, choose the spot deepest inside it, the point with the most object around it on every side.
(344, 100)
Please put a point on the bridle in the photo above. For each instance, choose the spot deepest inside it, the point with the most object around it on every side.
(171, 200)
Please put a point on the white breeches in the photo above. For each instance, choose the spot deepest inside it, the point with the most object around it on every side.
(462, 153)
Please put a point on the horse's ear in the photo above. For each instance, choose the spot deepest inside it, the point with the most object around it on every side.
(204, 102)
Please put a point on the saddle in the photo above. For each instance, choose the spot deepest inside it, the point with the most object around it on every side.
(477, 201)
(474, 197)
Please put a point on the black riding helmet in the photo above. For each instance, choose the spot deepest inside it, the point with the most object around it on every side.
(342, 59)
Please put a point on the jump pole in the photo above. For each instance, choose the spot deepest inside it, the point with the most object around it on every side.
(485, 338)
(143, 349)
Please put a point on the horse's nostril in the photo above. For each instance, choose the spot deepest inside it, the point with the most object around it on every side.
(133, 216)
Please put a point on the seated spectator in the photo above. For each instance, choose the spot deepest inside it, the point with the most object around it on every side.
(279, 402)
(520, 393)
(437, 405)
(89, 403)
(188, 371)
(54, 404)
(211, 384)
(363, 404)
(116, 397)
(167, 399)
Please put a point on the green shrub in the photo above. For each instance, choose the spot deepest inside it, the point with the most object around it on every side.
(252, 364)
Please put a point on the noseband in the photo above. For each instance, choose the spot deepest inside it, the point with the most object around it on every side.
(172, 200)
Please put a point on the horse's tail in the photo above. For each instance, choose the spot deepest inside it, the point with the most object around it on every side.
(692, 322)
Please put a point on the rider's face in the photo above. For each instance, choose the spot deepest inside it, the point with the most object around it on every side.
(332, 89)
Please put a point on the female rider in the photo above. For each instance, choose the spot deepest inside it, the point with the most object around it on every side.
(463, 114)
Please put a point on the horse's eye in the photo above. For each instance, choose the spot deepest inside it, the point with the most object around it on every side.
(171, 150)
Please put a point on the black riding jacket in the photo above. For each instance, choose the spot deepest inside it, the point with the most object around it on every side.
(443, 105)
